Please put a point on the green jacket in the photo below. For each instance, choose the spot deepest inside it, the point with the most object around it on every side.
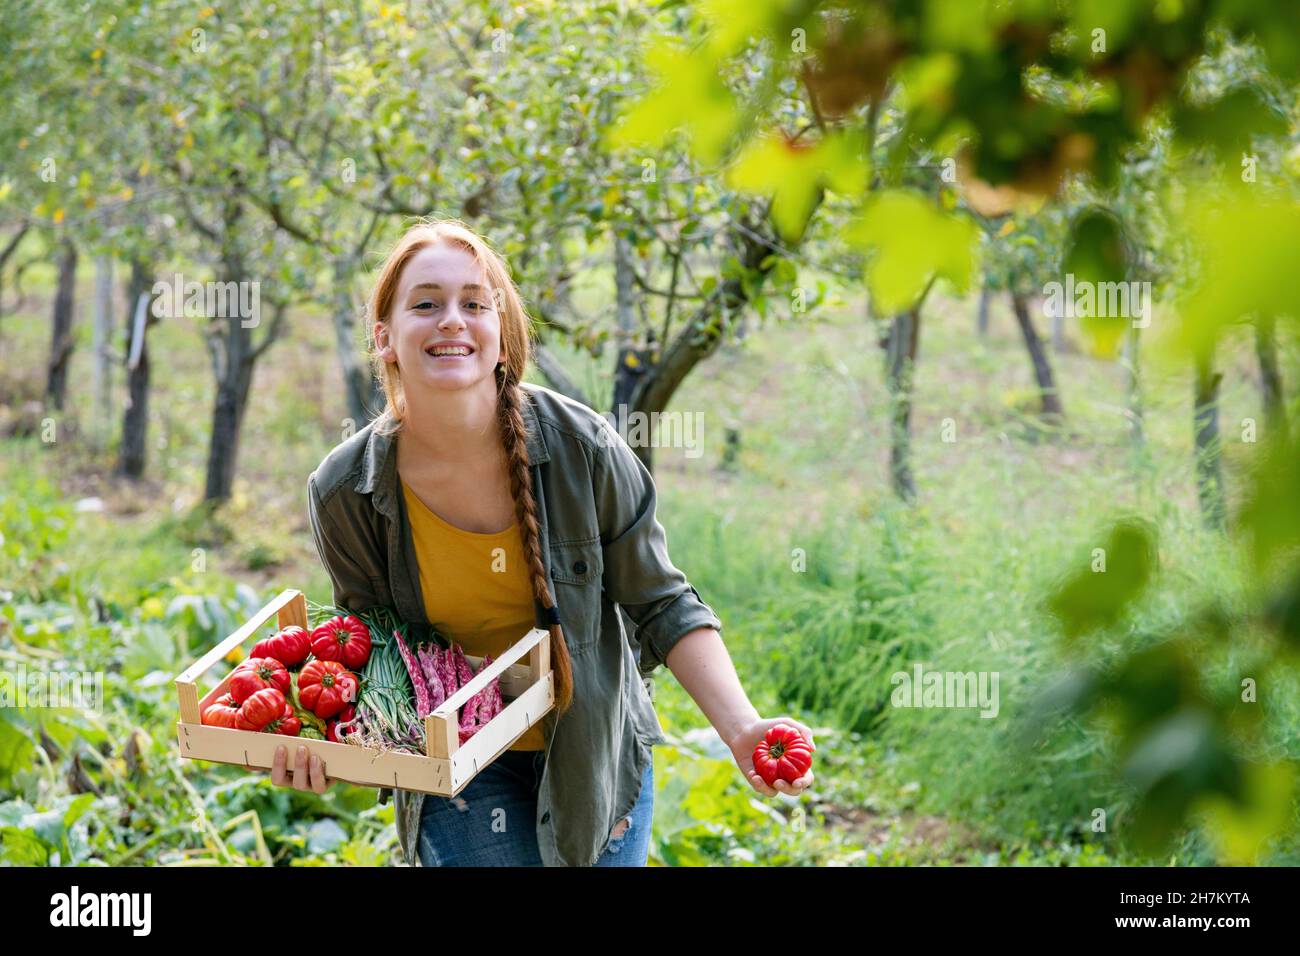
(603, 549)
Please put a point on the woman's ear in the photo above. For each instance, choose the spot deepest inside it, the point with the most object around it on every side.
(382, 344)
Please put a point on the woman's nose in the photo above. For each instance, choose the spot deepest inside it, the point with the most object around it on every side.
(452, 317)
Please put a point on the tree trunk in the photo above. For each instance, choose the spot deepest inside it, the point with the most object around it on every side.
(1047, 391)
(1132, 366)
(5, 253)
(631, 363)
(1270, 375)
(982, 316)
(234, 376)
(61, 341)
(103, 348)
(1209, 469)
(900, 364)
(135, 420)
(1059, 344)
(365, 396)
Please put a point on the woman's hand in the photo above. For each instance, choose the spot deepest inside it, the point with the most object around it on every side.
(306, 775)
(742, 749)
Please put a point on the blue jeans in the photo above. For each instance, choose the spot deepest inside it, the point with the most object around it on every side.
(493, 821)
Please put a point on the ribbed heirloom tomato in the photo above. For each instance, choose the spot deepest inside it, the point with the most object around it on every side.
(289, 646)
(258, 673)
(342, 639)
(260, 709)
(326, 687)
(286, 724)
(221, 712)
(782, 754)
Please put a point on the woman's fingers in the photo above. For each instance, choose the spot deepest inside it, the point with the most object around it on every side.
(759, 784)
(300, 781)
(279, 774)
(308, 770)
(318, 779)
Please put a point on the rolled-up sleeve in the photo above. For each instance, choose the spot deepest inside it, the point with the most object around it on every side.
(638, 573)
(338, 549)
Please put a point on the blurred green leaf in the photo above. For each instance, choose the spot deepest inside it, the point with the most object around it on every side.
(912, 242)
(1095, 595)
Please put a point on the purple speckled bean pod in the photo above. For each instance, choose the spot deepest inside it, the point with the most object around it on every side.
(428, 665)
(447, 668)
(469, 712)
(422, 707)
(464, 673)
(484, 711)
(497, 705)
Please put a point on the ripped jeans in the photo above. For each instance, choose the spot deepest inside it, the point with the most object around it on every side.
(493, 821)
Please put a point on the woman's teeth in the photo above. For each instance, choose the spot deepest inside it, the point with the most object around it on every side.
(455, 350)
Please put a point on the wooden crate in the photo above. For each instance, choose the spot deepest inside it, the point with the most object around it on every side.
(448, 765)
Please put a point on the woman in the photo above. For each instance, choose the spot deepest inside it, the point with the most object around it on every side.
(485, 507)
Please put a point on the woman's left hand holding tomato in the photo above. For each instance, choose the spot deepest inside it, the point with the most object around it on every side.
(742, 749)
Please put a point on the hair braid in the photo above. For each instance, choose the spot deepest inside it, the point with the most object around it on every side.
(521, 489)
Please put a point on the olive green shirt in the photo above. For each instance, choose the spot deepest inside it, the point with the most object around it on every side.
(603, 549)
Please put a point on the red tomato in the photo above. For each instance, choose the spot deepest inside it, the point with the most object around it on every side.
(258, 673)
(331, 726)
(782, 754)
(287, 723)
(221, 713)
(326, 687)
(289, 646)
(342, 639)
(260, 709)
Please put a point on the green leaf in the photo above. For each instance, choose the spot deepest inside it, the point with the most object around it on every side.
(913, 242)
(1095, 595)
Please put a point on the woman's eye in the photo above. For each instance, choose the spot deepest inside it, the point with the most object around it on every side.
(424, 305)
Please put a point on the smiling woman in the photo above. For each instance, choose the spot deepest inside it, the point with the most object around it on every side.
(483, 503)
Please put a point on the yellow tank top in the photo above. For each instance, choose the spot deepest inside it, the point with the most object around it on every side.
(476, 588)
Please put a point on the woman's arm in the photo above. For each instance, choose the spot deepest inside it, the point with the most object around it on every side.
(702, 666)
(675, 626)
(352, 587)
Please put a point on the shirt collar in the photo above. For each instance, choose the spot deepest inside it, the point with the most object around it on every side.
(379, 464)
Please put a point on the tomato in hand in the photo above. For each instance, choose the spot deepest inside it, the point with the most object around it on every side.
(782, 754)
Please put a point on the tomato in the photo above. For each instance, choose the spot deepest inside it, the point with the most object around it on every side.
(346, 714)
(326, 687)
(260, 709)
(290, 646)
(221, 713)
(258, 673)
(287, 723)
(342, 639)
(782, 754)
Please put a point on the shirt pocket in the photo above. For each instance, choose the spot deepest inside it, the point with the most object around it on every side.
(577, 568)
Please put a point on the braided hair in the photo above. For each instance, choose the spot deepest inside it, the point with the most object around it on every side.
(521, 490)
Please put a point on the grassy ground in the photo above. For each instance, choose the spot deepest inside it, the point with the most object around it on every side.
(955, 582)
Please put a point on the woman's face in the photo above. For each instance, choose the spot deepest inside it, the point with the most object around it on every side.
(443, 331)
